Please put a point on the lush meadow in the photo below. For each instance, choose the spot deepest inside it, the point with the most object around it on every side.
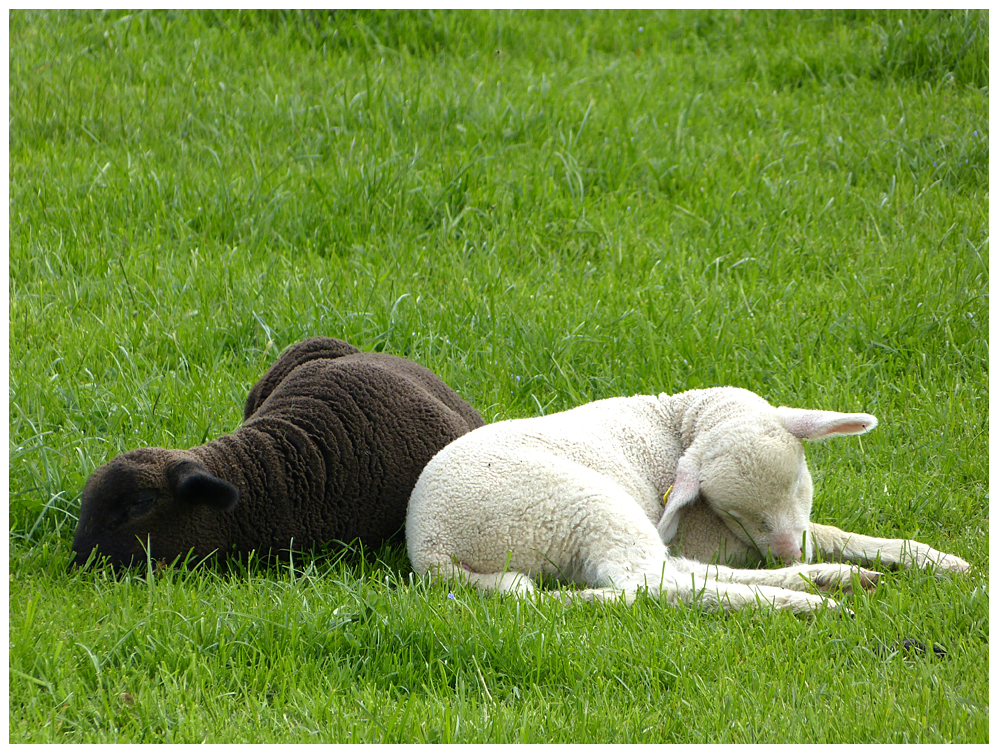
(545, 209)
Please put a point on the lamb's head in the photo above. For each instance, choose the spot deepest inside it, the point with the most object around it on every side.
(751, 471)
(152, 499)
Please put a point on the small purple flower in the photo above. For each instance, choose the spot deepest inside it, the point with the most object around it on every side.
(451, 596)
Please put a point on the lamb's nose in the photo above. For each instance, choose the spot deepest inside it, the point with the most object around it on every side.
(792, 556)
(787, 550)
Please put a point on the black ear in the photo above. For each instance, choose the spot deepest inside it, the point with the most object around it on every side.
(193, 484)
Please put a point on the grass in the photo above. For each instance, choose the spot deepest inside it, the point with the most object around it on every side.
(545, 209)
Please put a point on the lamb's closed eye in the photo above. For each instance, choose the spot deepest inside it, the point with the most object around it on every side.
(142, 503)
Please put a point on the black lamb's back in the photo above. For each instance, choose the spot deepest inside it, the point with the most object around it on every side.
(299, 353)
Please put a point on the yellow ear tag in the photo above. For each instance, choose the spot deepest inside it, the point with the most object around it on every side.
(665, 497)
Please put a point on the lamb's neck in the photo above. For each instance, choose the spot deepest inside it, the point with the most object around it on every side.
(251, 461)
(232, 458)
(277, 467)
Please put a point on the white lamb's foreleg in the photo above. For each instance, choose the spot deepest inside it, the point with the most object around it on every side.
(691, 589)
(795, 578)
(835, 544)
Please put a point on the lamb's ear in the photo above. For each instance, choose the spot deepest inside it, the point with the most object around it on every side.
(819, 424)
(685, 489)
(194, 484)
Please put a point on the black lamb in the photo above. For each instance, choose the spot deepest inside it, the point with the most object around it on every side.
(331, 445)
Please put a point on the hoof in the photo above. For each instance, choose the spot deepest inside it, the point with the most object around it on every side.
(950, 564)
(868, 579)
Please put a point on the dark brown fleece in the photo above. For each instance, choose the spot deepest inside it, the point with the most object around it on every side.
(331, 445)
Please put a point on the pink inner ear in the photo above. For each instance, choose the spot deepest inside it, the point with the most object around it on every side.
(818, 424)
(857, 427)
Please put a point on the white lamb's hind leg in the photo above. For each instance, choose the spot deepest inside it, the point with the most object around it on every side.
(735, 596)
(795, 578)
(507, 582)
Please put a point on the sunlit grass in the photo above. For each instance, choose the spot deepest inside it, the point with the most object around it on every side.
(545, 209)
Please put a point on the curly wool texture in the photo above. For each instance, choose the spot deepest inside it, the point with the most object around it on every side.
(332, 444)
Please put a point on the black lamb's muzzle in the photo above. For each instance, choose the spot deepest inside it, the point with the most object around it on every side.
(88, 549)
(88, 552)
(93, 555)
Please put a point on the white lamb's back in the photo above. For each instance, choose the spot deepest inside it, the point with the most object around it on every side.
(619, 437)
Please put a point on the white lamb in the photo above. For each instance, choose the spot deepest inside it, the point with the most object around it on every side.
(593, 495)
